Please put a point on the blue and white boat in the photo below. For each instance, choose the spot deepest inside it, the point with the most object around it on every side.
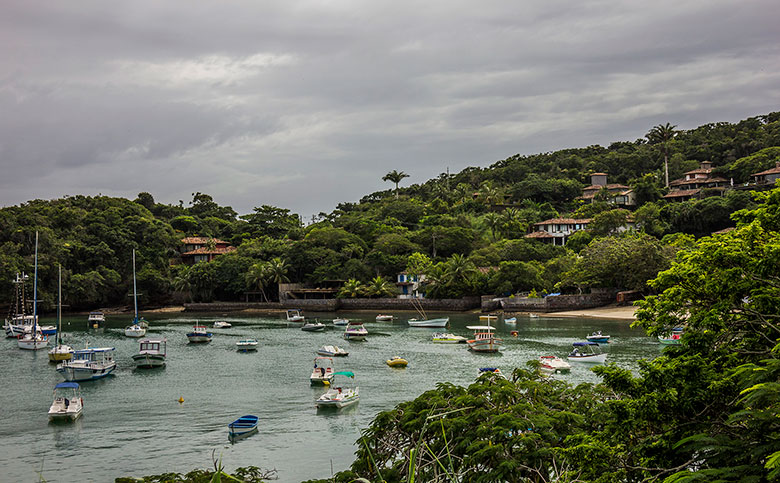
(199, 334)
(88, 364)
(67, 404)
(243, 425)
(598, 337)
(33, 338)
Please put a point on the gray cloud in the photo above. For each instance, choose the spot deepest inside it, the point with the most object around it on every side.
(307, 104)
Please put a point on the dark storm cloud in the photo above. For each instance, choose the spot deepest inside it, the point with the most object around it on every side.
(306, 104)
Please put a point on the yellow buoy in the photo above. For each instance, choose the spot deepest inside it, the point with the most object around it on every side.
(181, 400)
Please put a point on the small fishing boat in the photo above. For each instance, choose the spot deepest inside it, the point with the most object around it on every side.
(510, 320)
(67, 404)
(19, 319)
(447, 338)
(313, 326)
(598, 337)
(533, 316)
(151, 354)
(434, 323)
(339, 397)
(355, 331)
(322, 372)
(96, 320)
(491, 370)
(243, 425)
(294, 315)
(246, 345)
(88, 364)
(33, 339)
(488, 317)
(340, 322)
(221, 324)
(397, 361)
(484, 339)
(671, 339)
(60, 352)
(553, 365)
(384, 318)
(135, 329)
(587, 352)
(332, 351)
(199, 334)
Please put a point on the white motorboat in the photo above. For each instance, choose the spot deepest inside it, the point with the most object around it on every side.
(434, 323)
(67, 404)
(340, 322)
(246, 345)
(294, 315)
(533, 316)
(322, 372)
(339, 397)
(587, 352)
(355, 331)
(447, 338)
(34, 339)
(598, 337)
(484, 340)
(199, 334)
(88, 364)
(136, 329)
(384, 318)
(151, 354)
(96, 320)
(332, 351)
(510, 320)
(60, 352)
(553, 365)
(221, 324)
(313, 326)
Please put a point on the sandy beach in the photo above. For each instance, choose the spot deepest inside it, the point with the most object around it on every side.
(624, 312)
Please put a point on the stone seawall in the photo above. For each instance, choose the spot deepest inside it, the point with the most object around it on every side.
(332, 305)
(558, 303)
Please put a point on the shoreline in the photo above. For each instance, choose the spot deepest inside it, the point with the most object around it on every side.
(616, 312)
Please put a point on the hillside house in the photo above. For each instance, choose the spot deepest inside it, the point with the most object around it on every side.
(694, 182)
(617, 194)
(409, 286)
(557, 230)
(202, 249)
(767, 177)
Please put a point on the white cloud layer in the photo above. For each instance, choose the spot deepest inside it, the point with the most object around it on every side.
(303, 104)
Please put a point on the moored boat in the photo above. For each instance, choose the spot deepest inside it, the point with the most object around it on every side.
(246, 345)
(88, 364)
(339, 397)
(199, 334)
(313, 326)
(332, 351)
(243, 425)
(67, 404)
(221, 324)
(33, 339)
(19, 319)
(60, 352)
(340, 322)
(434, 323)
(136, 329)
(355, 331)
(587, 352)
(447, 338)
(384, 318)
(598, 337)
(553, 364)
(322, 372)
(397, 361)
(484, 340)
(488, 317)
(294, 315)
(151, 354)
(96, 320)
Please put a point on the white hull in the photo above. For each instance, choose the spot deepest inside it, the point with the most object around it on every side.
(334, 399)
(222, 325)
(199, 338)
(148, 361)
(340, 322)
(354, 336)
(246, 346)
(135, 331)
(552, 365)
(33, 344)
(484, 345)
(332, 351)
(59, 413)
(85, 373)
(591, 358)
(429, 323)
(384, 318)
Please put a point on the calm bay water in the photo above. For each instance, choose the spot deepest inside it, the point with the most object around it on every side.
(133, 424)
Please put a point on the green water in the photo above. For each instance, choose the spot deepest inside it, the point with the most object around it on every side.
(132, 424)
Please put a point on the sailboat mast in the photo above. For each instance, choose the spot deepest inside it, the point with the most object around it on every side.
(35, 289)
(135, 292)
(59, 308)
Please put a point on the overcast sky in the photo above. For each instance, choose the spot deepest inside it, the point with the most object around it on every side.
(304, 104)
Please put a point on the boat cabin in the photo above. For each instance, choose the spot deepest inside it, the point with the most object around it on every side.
(101, 354)
(153, 346)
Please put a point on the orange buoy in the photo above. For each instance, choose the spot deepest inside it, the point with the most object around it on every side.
(514, 333)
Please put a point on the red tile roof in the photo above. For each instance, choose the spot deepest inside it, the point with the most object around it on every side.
(201, 240)
(539, 234)
(774, 170)
(681, 193)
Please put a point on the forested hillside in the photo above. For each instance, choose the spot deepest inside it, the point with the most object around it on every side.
(447, 228)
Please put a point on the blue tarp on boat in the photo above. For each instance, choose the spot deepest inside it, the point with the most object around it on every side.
(67, 385)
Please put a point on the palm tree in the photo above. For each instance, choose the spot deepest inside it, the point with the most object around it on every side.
(379, 287)
(352, 288)
(257, 277)
(662, 134)
(458, 268)
(181, 283)
(277, 271)
(493, 222)
(395, 177)
(490, 194)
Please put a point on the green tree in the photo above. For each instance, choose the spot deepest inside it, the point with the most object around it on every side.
(352, 288)
(662, 134)
(379, 287)
(395, 177)
(258, 277)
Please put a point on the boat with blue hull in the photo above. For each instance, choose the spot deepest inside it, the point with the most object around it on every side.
(88, 364)
(242, 426)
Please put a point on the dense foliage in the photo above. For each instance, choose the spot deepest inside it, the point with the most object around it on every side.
(470, 226)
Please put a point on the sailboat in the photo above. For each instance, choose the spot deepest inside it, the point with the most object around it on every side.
(135, 329)
(60, 352)
(18, 319)
(34, 339)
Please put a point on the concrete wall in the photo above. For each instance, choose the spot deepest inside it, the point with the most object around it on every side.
(331, 305)
(559, 303)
